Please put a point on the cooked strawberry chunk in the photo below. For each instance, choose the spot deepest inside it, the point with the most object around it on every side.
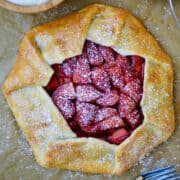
(94, 56)
(107, 124)
(110, 123)
(138, 66)
(134, 118)
(66, 91)
(68, 66)
(137, 59)
(82, 73)
(142, 73)
(104, 113)
(134, 90)
(108, 98)
(126, 68)
(126, 105)
(53, 84)
(117, 76)
(118, 136)
(108, 54)
(58, 70)
(73, 124)
(60, 73)
(123, 62)
(66, 106)
(87, 93)
(129, 75)
(65, 80)
(100, 79)
(85, 113)
(76, 128)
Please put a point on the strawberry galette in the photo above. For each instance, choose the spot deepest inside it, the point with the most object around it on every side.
(99, 92)
(92, 91)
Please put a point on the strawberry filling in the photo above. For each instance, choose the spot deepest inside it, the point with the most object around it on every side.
(99, 92)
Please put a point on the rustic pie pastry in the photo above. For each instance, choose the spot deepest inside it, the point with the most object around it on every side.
(92, 91)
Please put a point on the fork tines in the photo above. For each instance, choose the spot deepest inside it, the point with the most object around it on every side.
(168, 173)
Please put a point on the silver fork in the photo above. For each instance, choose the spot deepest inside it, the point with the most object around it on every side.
(168, 173)
(174, 13)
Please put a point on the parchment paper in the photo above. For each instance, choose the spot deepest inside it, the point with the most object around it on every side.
(16, 159)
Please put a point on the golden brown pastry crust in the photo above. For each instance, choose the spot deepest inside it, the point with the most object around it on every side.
(52, 141)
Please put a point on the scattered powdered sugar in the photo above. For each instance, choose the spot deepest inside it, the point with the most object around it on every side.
(23, 144)
(101, 79)
(104, 113)
(69, 175)
(85, 112)
(161, 156)
(108, 98)
(87, 93)
(66, 90)
(147, 163)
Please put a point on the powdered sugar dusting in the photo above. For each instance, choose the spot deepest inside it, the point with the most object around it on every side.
(104, 113)
(69, 175)
(101, 79)
(87, 93)
(85, 112)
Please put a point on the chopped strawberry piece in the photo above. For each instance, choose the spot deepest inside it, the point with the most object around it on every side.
(104, 113)
(134, 90)
(66, 91)
(65, 80)
(60, 73)
(87, 93)
(94, 56)
(76, 128)
(58, 70)
(108, 98)
(126, 105)
(123, 62)
(66, 106)
(138, 66)
(85, 113)
(118, 136)
(129, 75)
(108, 54)
(100, 79)
(107, 124)
(137, 59)
(142, 73)
(82, 73)
(68, 67)
(53, 84)
(138, 69)
(105, 67)
(111, 123)
(134, 118)
(73, 124)
(117, 77)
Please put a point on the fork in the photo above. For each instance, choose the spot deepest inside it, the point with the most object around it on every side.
(168, 173)
(171, 3)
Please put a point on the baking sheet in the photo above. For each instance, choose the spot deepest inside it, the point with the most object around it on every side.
(16, 159)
